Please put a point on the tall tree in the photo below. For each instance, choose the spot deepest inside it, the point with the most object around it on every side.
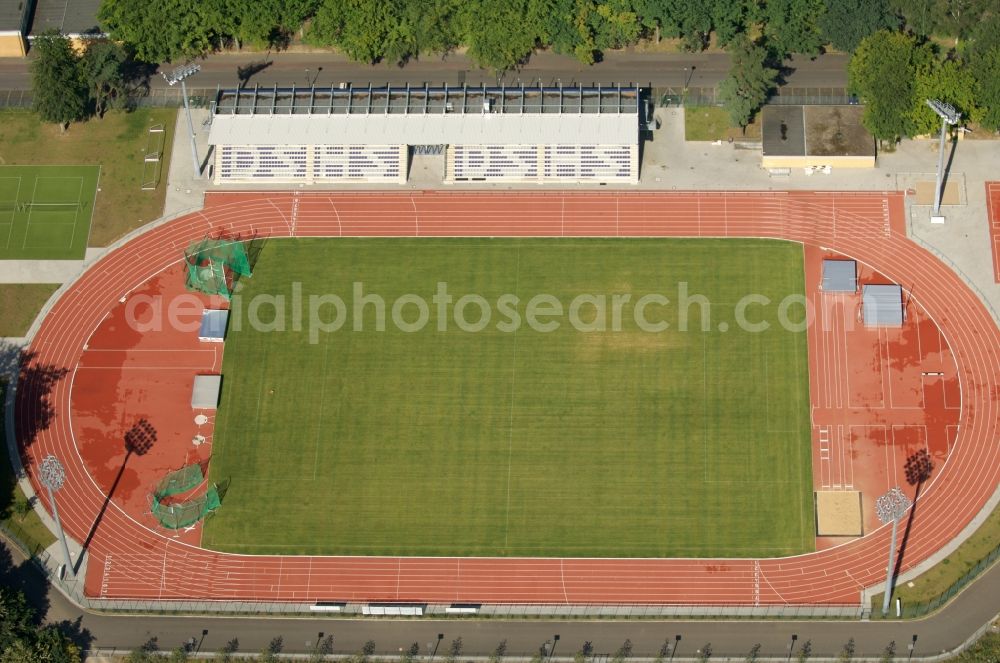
(17, 618)
(883, 73)
(790, 26)
(749, 83)
(846, 22)
(949, 81)
(500, 34)
(60, 95)
(162, 31)
(983, 57)
(104, 69)
(730, 18)
(362, 29)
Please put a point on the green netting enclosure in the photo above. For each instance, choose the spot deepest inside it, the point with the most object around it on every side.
(176, 515)
(182, 514)
(179, 481)
(212, 265)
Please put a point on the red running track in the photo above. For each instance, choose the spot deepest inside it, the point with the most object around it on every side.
(993, 212)
(130, 561)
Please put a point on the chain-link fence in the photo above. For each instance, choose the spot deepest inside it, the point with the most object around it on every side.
(912, 610)
(787, 96)
(156, 98)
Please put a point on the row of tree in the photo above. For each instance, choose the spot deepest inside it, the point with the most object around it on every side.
(69, 85)
(22, 640)
(894, 73)
(500, 34)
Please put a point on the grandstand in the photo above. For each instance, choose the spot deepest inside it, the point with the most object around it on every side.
(541, 135)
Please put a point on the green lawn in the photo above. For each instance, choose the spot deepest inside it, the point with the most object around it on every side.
(707, 123)
(613, 443)
(20, 304)
(45, 211)
(117, 143)
(15, 515)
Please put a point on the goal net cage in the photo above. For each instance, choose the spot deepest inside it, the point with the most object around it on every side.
(214, 265)
(175, 514)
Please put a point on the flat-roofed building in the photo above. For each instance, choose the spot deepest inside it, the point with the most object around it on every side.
(14, 16)
(486, 134)
(815, 137)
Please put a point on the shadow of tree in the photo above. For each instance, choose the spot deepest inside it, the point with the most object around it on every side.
(24, 577)
(33, 408)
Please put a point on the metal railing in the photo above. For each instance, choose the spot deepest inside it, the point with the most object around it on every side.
(783, 96)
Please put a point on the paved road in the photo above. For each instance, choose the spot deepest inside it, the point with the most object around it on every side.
(659, 69)
(946, 630)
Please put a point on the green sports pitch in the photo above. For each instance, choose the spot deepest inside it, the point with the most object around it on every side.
(45, 211)
(605, 435)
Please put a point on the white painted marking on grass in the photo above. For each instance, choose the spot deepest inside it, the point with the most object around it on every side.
(322, 400)
(510, 429)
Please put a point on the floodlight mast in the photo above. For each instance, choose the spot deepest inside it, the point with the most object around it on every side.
(175, 76)
(949, 116)
(52, 475)
(890, 508)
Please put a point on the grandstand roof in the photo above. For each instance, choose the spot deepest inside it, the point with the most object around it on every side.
(71, 17)
(439, 115)
(840, 276)
(882, 305)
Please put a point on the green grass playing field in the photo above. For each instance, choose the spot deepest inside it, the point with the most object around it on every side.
(524, 443)
(45, 211)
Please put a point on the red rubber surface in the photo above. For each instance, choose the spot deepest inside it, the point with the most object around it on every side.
(993, 212)
(127, 559)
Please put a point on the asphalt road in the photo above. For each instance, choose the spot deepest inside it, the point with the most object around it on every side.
(947, 629)
(324, 69)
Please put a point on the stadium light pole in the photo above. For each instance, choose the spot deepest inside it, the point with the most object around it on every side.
(52, 475)
(177, 76)
(890, 508)
(949, 117)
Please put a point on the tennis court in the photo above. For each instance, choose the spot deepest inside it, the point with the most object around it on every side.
(45, 211)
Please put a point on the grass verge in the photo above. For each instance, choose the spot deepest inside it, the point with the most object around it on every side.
(20, 304)
(940, 578)
(117, 143)
(708, 123)
(16, 514)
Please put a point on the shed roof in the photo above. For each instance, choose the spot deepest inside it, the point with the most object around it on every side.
(840, 276)
(815, 131)
(14, 15)
(213, 324)
(783, 131)
(205, 394)
(71, 17)
(882, 305)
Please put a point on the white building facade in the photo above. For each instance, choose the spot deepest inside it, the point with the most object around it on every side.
(368, 135)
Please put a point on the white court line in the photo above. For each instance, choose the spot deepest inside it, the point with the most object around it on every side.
(17, 196)
(76, 214)
(28, 224)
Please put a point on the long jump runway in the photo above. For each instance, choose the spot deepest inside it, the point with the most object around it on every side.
(130, 560)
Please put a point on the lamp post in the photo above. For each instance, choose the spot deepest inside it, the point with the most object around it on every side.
(52, 475)
(890, 508)
(949, 116)
(177, 76)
